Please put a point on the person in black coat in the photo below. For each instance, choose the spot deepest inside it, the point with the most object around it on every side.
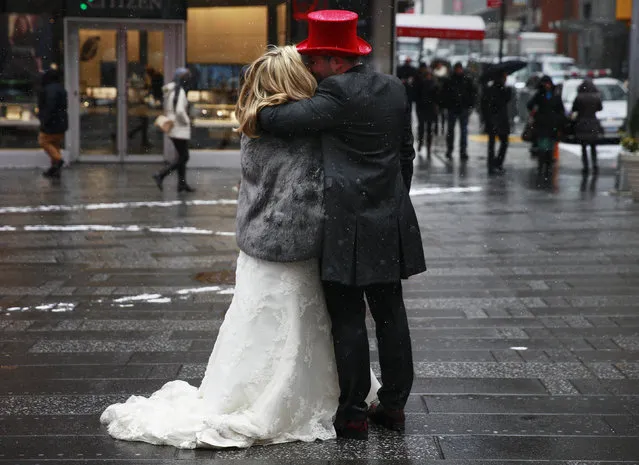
(428, 96)
(494, 106)
(371, 238)
(548, 112)
(458, 94)
(54, 120)
(588, 129)
(408, 74)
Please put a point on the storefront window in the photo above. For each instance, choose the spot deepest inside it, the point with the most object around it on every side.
(220, 41)
(26, 49)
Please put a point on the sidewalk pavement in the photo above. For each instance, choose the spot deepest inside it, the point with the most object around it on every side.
(525, 328)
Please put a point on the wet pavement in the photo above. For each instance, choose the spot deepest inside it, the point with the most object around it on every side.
(525, 328)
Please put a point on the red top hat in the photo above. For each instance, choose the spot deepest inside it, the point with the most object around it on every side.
(333, 32)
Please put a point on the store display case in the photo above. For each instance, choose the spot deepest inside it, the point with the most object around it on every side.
(18, 105)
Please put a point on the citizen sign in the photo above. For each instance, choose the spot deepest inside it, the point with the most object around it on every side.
(129, 4)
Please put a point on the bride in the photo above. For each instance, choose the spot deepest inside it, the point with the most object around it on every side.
(271, 377)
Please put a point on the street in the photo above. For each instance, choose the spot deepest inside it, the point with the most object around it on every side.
(525, 328)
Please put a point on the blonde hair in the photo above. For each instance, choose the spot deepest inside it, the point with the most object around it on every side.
(277, 77)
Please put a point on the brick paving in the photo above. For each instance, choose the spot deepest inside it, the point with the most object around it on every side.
(525, 328)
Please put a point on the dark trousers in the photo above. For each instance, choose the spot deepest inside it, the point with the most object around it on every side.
(440, 116)
(545, 161)
(497, 161)
(593, 155)
(425, 127)
(462, 116)
(179, 164)
(347, 310)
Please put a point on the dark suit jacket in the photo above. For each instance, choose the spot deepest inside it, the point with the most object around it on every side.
(371, 234)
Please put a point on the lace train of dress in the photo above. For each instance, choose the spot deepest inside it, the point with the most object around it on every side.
(271, 377)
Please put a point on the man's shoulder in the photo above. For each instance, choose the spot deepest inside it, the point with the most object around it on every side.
(364, 75)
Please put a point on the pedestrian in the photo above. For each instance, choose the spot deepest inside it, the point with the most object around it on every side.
(441, 75)
(427, 109)
(408, 74)
(494, 108)
(459, 94)
(371, 237)
(156, 81)
(547, 110)
(587, 127)
(176, 108)
(54, 120)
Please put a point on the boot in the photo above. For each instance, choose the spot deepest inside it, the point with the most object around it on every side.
(49, 173)
(158, 178)
(184, 187)
(54, 171)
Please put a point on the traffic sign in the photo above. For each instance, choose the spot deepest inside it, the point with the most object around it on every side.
(493, 3)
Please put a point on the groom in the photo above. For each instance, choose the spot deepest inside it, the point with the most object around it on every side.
(371, 236)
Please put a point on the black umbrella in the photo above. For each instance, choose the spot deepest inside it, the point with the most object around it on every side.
(505, 67)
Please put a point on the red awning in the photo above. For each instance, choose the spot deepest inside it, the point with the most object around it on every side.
(450, 27)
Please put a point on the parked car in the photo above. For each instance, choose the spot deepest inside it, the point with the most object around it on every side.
(555, 66)
(614, 97)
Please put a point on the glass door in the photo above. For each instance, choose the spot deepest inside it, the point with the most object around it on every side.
(145, 79)
(115, 74)
(98, 91)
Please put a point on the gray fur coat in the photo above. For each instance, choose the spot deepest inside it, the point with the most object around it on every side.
(280, 208)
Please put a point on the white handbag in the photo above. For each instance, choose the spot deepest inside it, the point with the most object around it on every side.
(164, 123)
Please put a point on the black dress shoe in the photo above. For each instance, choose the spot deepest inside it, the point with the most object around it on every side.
(185, 188)
(158, 181)
(357, 430)
(394, 420)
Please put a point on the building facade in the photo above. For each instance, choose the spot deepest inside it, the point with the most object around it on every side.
(115, 56)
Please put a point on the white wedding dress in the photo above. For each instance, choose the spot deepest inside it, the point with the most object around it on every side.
(270, 379)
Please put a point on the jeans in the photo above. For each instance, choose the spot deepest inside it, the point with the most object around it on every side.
(462, 116)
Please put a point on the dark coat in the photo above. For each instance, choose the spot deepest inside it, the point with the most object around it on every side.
(280, 208)
(52, 109)
(409, 75)
(550, 114)
(587, 126)
(494, 107)
(371, 233)
(428, 98)
(459, 93)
